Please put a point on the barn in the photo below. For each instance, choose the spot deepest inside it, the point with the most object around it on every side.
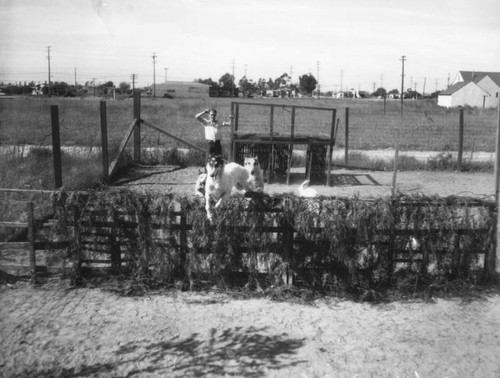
(471, 88)
(181, 89)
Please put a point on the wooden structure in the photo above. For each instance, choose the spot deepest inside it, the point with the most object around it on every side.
(100, 239)
(275, 150)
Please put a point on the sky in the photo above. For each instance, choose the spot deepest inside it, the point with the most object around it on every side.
(344, 44)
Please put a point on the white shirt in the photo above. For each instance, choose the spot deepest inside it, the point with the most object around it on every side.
(212, 128)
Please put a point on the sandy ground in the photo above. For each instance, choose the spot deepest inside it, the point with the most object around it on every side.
(53, 332)
(347, 182)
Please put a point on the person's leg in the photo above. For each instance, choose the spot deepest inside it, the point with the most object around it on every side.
(217, 147)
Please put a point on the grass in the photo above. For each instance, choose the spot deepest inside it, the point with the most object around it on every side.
(27, 121)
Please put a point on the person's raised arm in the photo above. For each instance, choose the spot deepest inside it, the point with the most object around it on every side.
(227, 123)
(200, 115)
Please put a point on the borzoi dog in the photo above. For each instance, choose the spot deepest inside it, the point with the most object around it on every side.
(222, 180)
(256, 179)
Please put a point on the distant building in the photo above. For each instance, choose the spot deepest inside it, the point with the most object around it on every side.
(181, 89)
(471, 88)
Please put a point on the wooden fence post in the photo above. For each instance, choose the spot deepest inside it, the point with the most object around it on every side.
(460, 139)
(137, 128)
(346, 155)
(31, 240)
(290, 146)
(287, 273)
(330, 150)
(104, 142)
(56, 146)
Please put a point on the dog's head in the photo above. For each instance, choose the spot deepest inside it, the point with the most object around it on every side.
(252, 164)
(214, 165)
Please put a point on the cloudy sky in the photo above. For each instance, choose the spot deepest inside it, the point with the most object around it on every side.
(357, 43)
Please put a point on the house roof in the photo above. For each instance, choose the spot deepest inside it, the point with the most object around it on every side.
(455, 87)
(477, 76)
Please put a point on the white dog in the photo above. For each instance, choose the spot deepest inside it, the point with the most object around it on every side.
(200, 185)
(256, 179)
(222, 180)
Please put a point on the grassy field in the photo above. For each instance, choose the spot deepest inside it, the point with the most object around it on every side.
(26, 121)
(425, 126)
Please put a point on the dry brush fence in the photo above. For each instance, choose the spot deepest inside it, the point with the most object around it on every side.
(270, 240)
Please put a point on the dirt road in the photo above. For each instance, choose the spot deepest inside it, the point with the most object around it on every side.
(54, 332)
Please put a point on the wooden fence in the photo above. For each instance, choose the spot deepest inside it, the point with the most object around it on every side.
(283, 238)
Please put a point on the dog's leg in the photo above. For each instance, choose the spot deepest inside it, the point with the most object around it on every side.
(207, 206)
(222, 197)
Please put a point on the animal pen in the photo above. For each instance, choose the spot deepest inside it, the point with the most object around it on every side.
(275, 148)
(284, 238)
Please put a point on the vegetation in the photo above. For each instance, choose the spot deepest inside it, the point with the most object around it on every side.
(341, 246)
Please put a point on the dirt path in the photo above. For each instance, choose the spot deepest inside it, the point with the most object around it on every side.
(182, 181)
(53, 332)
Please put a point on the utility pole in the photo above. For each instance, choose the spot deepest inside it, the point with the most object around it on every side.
(341, 79)
(374, 84)
(317, 72)
(232, 81)
(93, 80)
(166, 69)
(448, 80)
(48, 58)
(381, 80)
(75, 78)
(403, 58)
(134, 78)
(154, 74)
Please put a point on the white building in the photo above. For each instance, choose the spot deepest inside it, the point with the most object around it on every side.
(181, 89)
(471, 88)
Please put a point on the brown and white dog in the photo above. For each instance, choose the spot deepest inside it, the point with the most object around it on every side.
(256, 178)
(222, 181)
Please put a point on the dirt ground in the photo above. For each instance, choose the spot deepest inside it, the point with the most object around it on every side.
(58, 332)
(344, 182)
(54, 331)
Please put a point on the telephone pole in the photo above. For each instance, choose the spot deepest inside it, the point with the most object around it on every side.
(134, 78)
(403, 58)
(166, 69)
(317, 71)
(48, 58)
(154, 74)
(341, 79)
(232, 81)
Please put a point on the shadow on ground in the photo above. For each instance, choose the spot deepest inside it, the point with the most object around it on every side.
(243, 352)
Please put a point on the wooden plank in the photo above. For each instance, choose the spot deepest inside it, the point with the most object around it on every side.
(128, 134)
(14, 246)
(56, 146)
(282, 105)
(173, 136)
(14, 224)
(104, 141)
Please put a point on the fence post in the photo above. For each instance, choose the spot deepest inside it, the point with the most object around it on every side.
(31, 240)
(460, 139)
(56, 146)
(287, 272)
(330, 150)
(137, 128)
(346, 157)
(104, 142)
(290, 146)
(183, 241)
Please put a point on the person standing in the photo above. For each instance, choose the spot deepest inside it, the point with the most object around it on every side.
(212, 126)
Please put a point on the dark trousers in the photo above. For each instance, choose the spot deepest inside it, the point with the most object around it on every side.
(214, 147)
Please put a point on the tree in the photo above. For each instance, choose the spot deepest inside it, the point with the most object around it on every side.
(124, 87)
(380, 92)
(282, 82)
(208, 81)
(248, 87)
(307, 84)
(226, 81)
